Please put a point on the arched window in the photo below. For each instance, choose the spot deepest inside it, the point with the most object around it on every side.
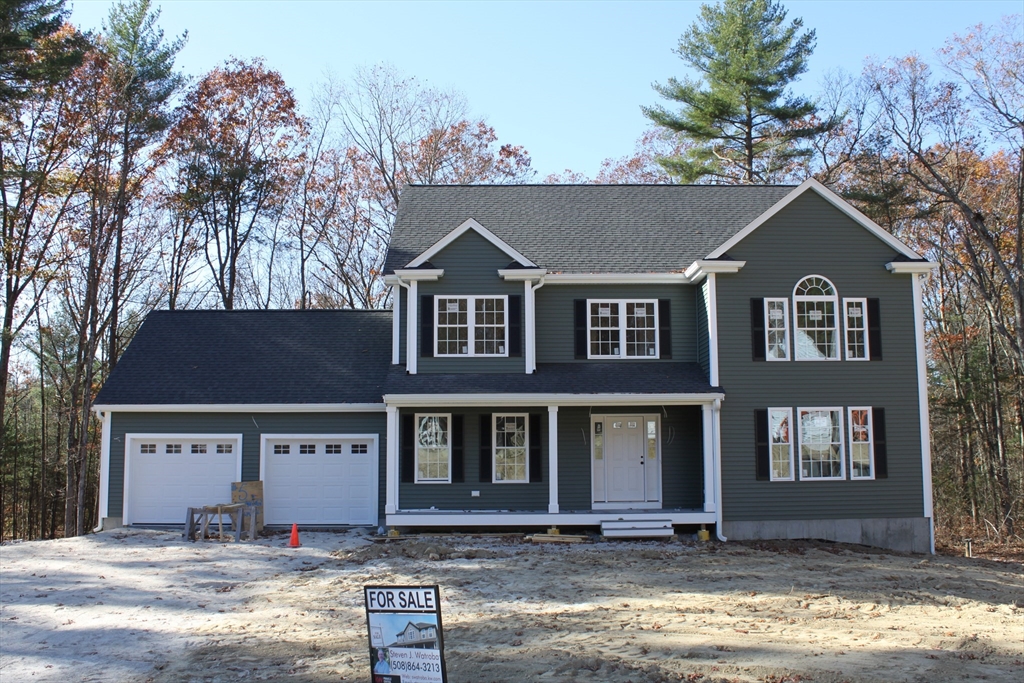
(815, 306)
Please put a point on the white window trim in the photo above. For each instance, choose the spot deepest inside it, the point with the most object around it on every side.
(416, 451)
(838, 313)
(864, 316)
(792, 447)
(767, 330)
(622, 329)
(471, 324)
(494, 448)
(842, 443)
(871, 441)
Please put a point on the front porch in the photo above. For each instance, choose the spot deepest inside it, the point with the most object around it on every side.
(594, 459)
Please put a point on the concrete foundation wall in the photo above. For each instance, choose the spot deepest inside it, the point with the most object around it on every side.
(907, 534)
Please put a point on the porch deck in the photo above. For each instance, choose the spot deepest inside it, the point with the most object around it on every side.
(408, 518)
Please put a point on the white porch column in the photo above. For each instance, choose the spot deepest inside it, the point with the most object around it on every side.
(553, 460)
(713, 329)
(412, 351)
(528, 306)
(708, 430)
(717, 438)
(922, 406)
(391, 468)
(396, 327)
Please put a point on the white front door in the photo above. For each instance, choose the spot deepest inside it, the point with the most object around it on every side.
(625, 463)
(319, 479)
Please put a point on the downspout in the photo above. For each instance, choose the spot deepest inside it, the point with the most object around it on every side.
(716, 412)
(532, 338)
(104, 469)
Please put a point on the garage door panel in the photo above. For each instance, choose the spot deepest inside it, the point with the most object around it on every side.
(331, 485)
(161, 486)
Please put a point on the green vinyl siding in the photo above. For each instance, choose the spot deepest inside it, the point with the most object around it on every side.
(682, 464)
(810, 237)
(470, 266)
(457, 495)
(250, 425)
(555, 322)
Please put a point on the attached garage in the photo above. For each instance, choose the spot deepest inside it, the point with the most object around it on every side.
(328, 479)
(168, 473)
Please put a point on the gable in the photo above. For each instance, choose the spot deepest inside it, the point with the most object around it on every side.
(808, 189)
(470, 227)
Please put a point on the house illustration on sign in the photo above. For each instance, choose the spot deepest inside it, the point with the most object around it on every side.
(750, 358)
(417, 635)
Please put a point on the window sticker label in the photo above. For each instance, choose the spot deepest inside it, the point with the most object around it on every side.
(775, 314)
(453, 306)
(405, 633)
(815, 315)
(854, 311)
(631, 425)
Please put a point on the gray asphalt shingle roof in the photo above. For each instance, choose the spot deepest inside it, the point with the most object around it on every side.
(205, 357)
(584, 228)
(610, 377)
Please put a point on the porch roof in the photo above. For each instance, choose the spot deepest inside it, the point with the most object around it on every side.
(591, 378)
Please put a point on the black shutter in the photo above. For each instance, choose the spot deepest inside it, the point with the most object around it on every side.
(426, 325)
(407, 449)
(881, 455)
(763, 449)
(665, 327)
(580, 325)
(536, 473)
(485, 447)
(757, 329)
(515, 325)
(874, 330)
(458, 452)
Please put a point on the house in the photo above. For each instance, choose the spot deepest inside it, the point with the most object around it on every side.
(747, 357)
(418, 635)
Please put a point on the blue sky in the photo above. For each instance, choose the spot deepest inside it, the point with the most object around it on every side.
(564, 79)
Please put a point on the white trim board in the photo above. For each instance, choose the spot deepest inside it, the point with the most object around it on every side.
(242, 408)
(491, 518)
(833, 199)
(616, 279)
(515, 400)
(470, 224)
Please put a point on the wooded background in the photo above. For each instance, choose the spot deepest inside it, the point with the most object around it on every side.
(128, 187)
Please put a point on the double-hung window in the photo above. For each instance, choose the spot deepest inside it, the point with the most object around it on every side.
(510, 448)
(780, 421)
(816, 319)
(433, 449)
(821, 443)
(471, 325)
(862, 444)
(622, 328)
(776, 329)
(855, 311)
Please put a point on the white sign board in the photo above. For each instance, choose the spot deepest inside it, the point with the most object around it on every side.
(405, 631)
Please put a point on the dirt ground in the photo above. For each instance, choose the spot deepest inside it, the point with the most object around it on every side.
(145, 606)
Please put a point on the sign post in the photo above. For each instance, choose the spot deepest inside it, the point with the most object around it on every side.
(405, 631)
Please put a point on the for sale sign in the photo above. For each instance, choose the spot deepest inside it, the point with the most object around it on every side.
(406, 639)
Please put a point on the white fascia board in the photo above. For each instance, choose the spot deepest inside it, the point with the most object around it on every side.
(513, 400)
(698, 270)
(520, 274)
(419, 274)
(470, 224)
(616, 279)
(913, 267)
(244, 408)
(833, 199)
(392, 280)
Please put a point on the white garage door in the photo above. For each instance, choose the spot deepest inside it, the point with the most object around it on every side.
(168, 474)
(319, 480)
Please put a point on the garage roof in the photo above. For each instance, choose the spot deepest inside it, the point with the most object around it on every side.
(254, 357)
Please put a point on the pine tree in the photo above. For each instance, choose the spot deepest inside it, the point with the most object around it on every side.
(33, 50)
(744, 123)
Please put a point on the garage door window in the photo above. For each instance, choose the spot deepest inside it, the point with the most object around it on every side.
(199, 448)
(333, 449)
(359, 448)
(282, 449)
(147, 448)
(173, 448)
(224, 448)
(307, 449)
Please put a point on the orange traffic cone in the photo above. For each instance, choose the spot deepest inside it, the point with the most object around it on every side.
(294, 543)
